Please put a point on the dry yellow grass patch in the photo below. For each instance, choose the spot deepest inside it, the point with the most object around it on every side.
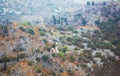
(64, 74)
(23, 67)
(88, 27)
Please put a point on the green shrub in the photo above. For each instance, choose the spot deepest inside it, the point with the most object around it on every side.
(47, 48)
(76, 48)
(42, 33)
(72, 58)
(5, 59)
(65, 49)
(75, 31)
(30, 63)
(21, 28)
(84, 22)
(45, 41)
(22, 55)
(22, 49)
(31, 31)
(54, 55)
(37, 50)
(45, 57)
(81, 58)
(61, 28)
(60, 54)
(53, 73)
(70, 28)
(83, 66)
(42, 30)
(37, 59)
(5, 30)
(27, 23)
(38, 70)
(98, 54)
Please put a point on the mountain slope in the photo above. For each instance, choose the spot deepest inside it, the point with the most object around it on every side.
(42, 10)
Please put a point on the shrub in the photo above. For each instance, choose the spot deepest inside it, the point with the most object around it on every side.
(31, 31)
(30, 63)
(38, 70)
(5, 30)
(53, 73)
(45, 57)
(22, 55)
(37, 59)
(37, 50)
(22, 49)
(70, 28)
(27, 23)
(47, 48)
(76, 48)
(60, 54)
(42, 33)
(54, 55)
(75, 31)
(72, 58)
(61, 28)
(43, 30)
(98, 54)
(21, 28)
(83, 66)
(5, 59)
(81, 58)
(65, 49)
(45, 41)
(84, 22)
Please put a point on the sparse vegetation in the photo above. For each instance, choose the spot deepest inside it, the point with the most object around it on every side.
(6, 59)
(63, 50)
(83, 66)
(28, 30)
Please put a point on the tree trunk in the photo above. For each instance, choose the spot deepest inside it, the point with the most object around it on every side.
(17, 58)
(5, 65)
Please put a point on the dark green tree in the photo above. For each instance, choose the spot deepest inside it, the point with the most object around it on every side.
(88, 3)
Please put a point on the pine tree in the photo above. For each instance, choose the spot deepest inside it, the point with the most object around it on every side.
(88, 3)
(54, 20)
(93, 3)
(104, 3)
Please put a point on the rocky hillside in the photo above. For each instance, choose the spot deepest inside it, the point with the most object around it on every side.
(95, 14)
(53, 50)
(79, 49)
(41, 11)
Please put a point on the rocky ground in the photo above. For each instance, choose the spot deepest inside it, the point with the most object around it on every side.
(28, 50)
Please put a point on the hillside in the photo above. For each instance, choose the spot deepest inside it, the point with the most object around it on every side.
(41, 11)
(58, 50)
(74, 40)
